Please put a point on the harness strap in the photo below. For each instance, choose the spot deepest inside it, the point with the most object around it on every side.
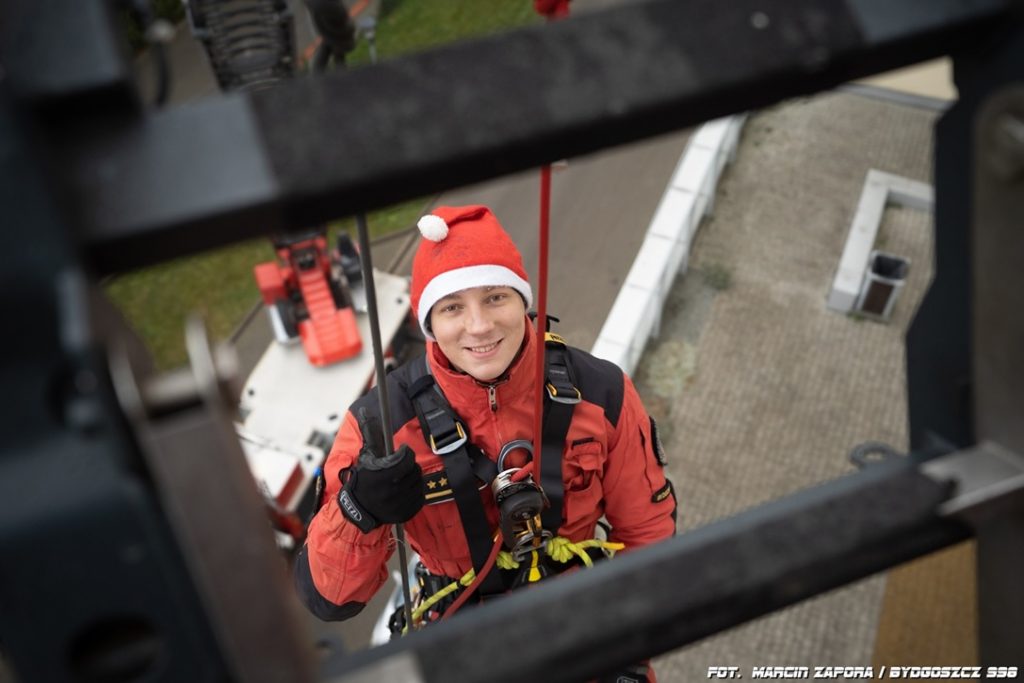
(448, 438)
(562, 397)
(484, 468)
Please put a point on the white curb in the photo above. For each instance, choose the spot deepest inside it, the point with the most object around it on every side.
(636, 314)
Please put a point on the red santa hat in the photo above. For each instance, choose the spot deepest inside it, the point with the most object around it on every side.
(463, 247)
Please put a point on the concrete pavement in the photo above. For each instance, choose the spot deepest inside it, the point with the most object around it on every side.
(761, 390)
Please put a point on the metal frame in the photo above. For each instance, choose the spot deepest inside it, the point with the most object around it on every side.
(673, 593)
(181, 180)
(94, 184)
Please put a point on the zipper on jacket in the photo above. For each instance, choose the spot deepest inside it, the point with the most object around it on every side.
(492, 392)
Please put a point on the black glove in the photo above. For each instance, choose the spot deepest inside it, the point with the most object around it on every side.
(381, 490)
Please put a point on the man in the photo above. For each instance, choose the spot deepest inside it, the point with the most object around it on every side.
(470, 295)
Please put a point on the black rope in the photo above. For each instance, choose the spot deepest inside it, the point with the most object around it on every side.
(382, 389)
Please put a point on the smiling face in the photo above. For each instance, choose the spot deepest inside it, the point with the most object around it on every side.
(480, 329)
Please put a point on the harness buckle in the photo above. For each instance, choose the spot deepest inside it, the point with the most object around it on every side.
(449, 442)
(566, 395)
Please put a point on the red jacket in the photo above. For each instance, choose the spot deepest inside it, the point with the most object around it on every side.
(609, 465)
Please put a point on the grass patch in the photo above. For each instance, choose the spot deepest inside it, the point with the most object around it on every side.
(717, 276)
(219, 284)
(407, 26)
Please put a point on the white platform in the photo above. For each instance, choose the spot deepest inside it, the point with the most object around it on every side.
(286, 401)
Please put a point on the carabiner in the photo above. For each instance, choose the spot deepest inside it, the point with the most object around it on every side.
(524, 444)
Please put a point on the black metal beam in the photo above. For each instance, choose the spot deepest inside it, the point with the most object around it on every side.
(63, 50)
(662, 597)
(195, 177)
(93, 585)
(997, 364)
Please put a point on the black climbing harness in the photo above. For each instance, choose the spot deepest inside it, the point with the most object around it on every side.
(468, 469)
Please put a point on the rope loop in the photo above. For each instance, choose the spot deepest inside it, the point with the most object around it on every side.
(559, 549)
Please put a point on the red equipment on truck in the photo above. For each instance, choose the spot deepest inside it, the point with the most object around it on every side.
(306, 294)
(294, 398)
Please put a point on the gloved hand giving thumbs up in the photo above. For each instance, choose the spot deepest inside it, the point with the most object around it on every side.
(380, 490)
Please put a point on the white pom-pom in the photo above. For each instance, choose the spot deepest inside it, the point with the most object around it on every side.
(433, 227)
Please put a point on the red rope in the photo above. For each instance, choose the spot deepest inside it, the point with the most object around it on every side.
(542, 311)
(541, 324)
(480, 576)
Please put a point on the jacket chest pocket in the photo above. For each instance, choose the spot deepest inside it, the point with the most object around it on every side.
(583, 465)
(582, 470)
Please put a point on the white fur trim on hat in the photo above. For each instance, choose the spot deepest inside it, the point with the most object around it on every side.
(452, 281)
(433, 227)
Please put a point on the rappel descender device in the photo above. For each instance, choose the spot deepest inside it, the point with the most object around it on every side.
(520, 504)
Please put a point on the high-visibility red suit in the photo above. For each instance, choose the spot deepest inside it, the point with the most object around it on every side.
(610, 466)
